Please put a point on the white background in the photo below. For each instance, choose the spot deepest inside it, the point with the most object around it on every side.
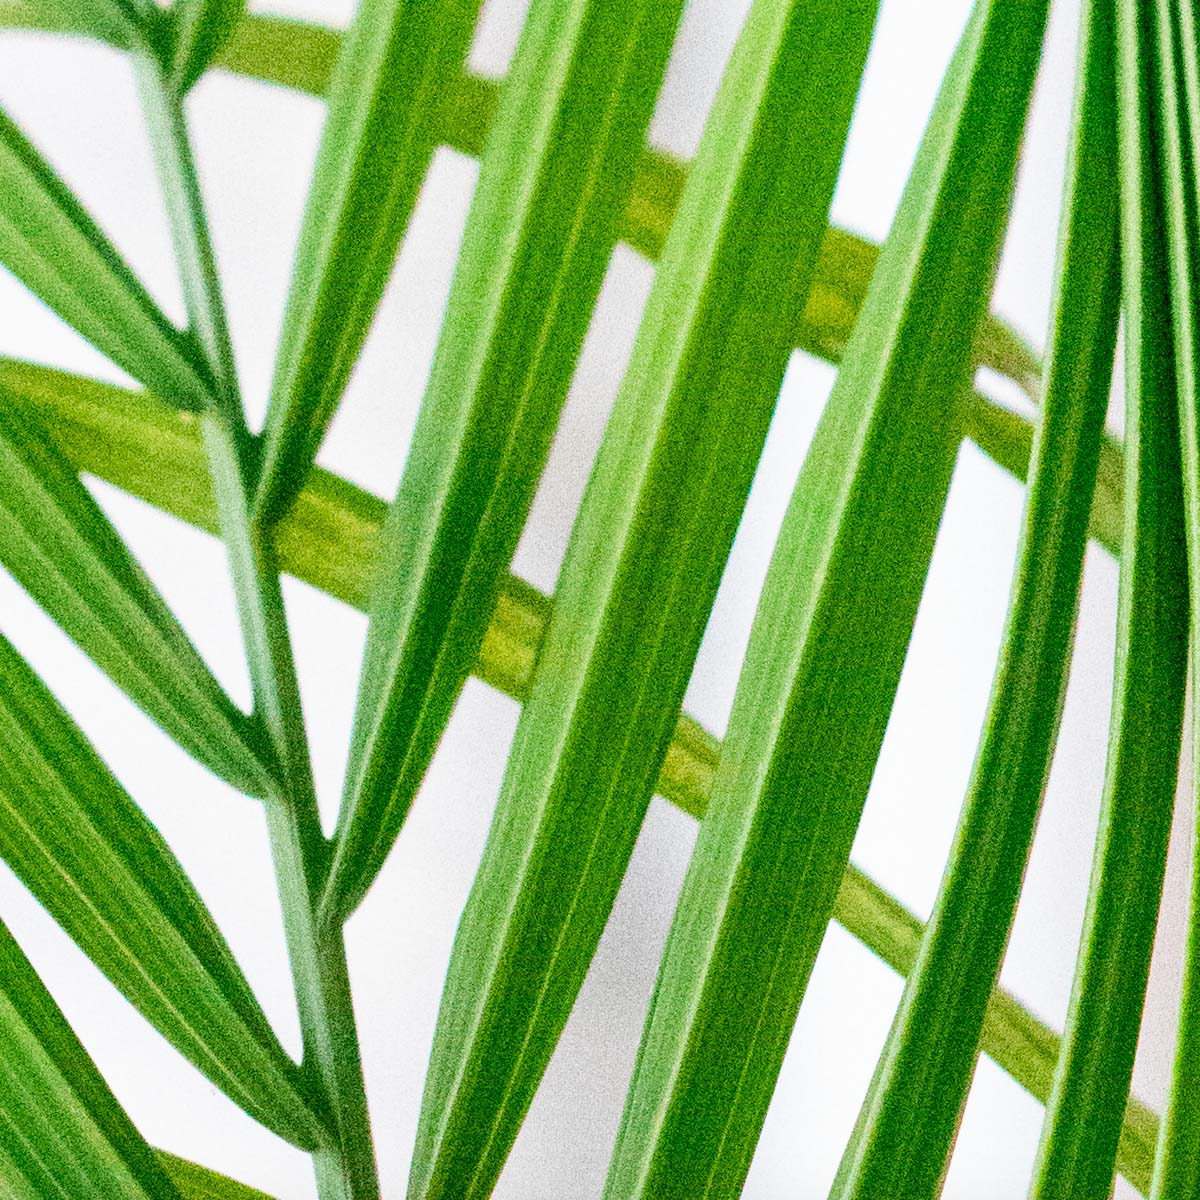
(256, 145)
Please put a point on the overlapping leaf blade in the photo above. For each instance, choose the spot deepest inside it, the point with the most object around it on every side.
(916, 1097)
(1162, 127)
(200, 29)
(393, 69)
(641, 573)
(827, 647)
(62, 1133)
(85, 850)
(1083, 1117)
(552, 185)
(330, 540)
(50, 243)
(63, 550)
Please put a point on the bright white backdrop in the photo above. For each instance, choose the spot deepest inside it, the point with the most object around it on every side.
(256, 145)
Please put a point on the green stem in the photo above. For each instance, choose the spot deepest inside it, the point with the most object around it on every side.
(345, 1168)
(330, 540)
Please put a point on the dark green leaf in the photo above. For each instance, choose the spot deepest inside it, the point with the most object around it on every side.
(640, 576)
(63, 1136)
(200, 29)
(552, 184)
(827, 648)
(1161, 139)
(53, 247)
(915, 1102)
(389, 83)
(1083, 1117)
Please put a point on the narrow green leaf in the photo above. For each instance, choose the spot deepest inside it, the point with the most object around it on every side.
(53, 247)
(392, 72)
(84, 849)
(299, 55)
(915, 1102)
(1083, 1117)
(1169, 101)
(194, 1182)
(330, 540)
(640, 576)
(65, 553)
(553, 182)
(1007, 437)
(62, 1133)
(827, 647)
(200, 28)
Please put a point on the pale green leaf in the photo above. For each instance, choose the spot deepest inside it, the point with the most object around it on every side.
(827, 647)
(393, 70)
(128, 24)
(553, 182)
(640, 576)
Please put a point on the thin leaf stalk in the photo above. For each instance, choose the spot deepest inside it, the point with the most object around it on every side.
(345, 1167)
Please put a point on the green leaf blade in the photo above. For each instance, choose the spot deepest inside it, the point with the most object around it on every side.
(915, 1101)
(827, 647)
(85, 850)
(542, 226)
(330, 540)
(1161, 128)
(62, 549)
(62, 1133)
(641, 573)
(195, 1182)
(200, 30)
(380, 134)
(55, 249)
(1083, 1117)
(124, 23)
